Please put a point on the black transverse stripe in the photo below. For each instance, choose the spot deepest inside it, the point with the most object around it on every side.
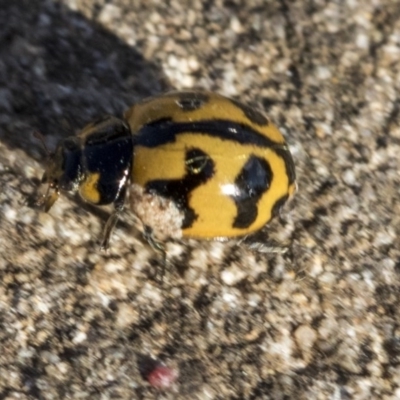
(165, 131)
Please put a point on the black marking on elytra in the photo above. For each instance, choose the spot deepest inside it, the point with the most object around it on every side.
(276, 209)
(252, 182)
(255, 116)
(163, 121)
(164, 131)
(284, 153)
(191, 101)
(199, 169)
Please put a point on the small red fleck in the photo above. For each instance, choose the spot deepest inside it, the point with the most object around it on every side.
(162, 377)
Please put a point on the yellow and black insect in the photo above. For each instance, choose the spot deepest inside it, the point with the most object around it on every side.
(193, 164)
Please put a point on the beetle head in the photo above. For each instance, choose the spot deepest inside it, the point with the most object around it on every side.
(63, 171)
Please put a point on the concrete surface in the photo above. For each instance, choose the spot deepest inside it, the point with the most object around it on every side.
(320, 321)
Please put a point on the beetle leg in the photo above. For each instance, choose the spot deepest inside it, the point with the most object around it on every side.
(50, 200)
(108, 229)
(119, 204)
(157, 246)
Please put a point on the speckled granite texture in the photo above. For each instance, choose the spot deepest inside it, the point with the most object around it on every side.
(321, 321)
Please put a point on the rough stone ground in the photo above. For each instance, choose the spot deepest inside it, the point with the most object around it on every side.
(321, 321)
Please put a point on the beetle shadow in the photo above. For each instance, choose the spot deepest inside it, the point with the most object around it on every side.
(59, 70)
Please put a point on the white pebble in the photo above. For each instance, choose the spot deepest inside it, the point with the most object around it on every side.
(79, 337)
(305, 337)
(232, 275)
(349, 177)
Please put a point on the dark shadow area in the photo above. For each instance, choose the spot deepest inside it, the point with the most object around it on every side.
(58, 71)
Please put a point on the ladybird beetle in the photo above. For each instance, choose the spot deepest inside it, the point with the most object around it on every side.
(192, 164)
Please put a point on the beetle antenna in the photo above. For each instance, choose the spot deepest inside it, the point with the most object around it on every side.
(37, 135)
